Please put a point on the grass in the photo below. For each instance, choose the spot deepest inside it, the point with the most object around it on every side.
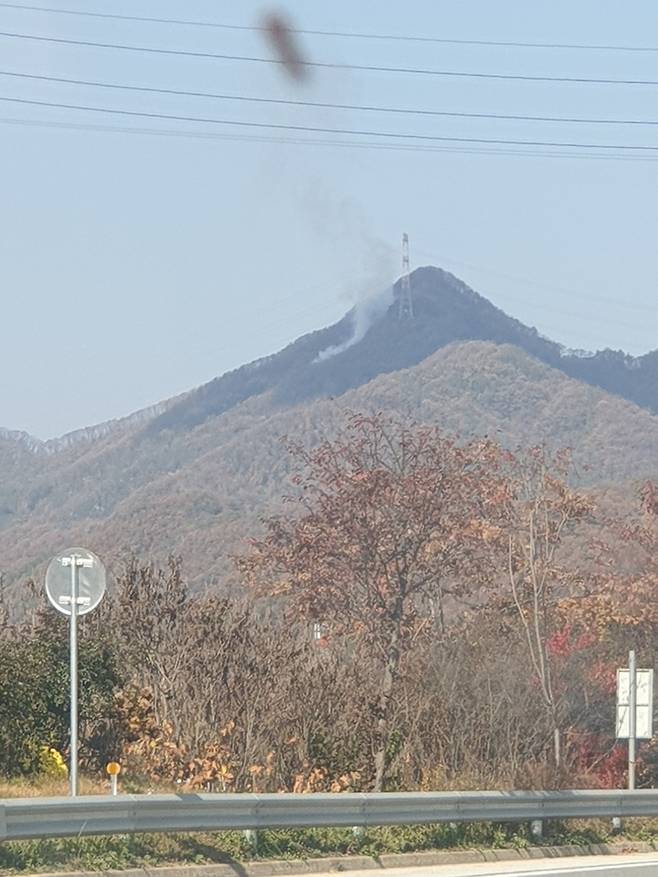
(148, 851)
(141, 851)
(45, 787)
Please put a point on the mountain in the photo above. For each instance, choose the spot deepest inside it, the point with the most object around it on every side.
(445, 310)
(193, 475)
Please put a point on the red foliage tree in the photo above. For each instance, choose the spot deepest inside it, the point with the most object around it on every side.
(389, 517)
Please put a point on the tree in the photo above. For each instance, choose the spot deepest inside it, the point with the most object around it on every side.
(147, 613)
(618, 611)
(34, 697)
(542, 511)
(389, 517)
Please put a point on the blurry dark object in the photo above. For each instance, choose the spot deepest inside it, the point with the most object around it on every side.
(285, 44)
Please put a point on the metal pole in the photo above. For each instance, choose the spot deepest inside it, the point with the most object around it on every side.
(73, 759)
(632, 717)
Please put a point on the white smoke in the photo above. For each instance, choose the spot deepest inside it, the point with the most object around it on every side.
(343, 229)
(364, 313)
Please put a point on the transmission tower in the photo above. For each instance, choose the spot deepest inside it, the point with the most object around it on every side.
(405, 303)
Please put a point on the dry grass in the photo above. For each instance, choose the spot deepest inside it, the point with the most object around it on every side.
(50, 787)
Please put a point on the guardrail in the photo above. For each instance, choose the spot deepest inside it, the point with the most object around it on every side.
(29, 818)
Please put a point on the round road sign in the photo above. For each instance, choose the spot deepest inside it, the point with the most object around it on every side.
(90, 574)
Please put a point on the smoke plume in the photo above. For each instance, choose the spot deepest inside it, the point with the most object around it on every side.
(364, 313)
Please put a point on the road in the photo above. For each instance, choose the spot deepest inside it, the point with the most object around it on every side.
(637, 865)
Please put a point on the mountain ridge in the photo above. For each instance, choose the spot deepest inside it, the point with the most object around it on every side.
(194, 474)
(86, 433)
(436, 293)
(471, 317)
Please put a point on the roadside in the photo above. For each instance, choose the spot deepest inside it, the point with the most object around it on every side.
(457, 862)
(312, 851)
(306, 851)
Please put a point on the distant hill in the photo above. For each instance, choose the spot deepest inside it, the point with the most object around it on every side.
(193, 475)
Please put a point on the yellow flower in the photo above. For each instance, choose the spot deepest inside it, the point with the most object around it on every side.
(51, 763)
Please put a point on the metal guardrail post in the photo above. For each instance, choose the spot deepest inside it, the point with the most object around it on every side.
(537, 828)
(251, 836)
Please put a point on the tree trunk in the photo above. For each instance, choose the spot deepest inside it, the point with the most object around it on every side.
(383, 721)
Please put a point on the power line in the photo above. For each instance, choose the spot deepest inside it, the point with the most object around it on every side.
(321, 130)
(305, 141)
(326, 65)
(323, 105)
(549, 308)
(559, 290)
(333, 33)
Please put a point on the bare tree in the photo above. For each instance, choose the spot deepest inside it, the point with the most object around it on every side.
(542, 511)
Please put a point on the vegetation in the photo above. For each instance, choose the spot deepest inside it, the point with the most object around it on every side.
(148, 851)
(34, 695)
(463, 642)
(421, 615)
(377, 541)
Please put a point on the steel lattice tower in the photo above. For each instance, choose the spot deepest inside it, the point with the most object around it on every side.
(405, 303)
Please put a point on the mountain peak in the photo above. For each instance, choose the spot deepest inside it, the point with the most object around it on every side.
(372, 340)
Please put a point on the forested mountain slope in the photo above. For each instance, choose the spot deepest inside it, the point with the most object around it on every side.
(198, 491)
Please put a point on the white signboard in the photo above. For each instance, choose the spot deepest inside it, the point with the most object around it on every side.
(644, 704)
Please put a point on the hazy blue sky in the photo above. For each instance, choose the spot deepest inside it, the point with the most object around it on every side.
(136, 266)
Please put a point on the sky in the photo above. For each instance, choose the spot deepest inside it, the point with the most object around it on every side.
(136, 263)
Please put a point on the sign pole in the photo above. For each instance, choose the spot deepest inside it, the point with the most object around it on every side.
(632, 717)
(75, 584)
(114, 769)
(73, 629)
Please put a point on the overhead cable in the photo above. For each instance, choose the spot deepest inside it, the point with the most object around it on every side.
(555, 290)
(63, 80)
(393, 135)
(415, 38)
(327, 65)
(188, 133)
